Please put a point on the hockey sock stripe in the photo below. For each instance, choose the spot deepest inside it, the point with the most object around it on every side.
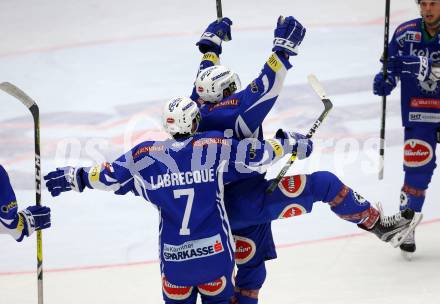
(340, 196)
(413, 191)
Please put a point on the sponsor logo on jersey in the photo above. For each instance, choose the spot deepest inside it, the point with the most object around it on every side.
(148, 149)
(292, 186)
(291, 211)
(175, 292)
(213, 288)
(413, 36)
(406, 26)
(276, 146)
(417, 153)
(244, 249)
(433, 55)
(227, 103)
(425, 103)
(211, 141)
(424, 117)
(274, 63)
(210, 57)
(182, 178)
(9, 207)
(195, 249)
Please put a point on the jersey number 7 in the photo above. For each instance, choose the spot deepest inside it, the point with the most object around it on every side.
(184, 230)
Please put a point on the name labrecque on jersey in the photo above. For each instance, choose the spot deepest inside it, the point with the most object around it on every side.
(193, 249)
(182, 178)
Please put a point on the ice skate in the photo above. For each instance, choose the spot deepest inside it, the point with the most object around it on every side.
(408, 247)
(395, 228)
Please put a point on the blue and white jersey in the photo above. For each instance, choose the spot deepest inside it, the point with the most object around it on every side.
(10, 221)
(185, 179)
(420, 99)
(244, 111)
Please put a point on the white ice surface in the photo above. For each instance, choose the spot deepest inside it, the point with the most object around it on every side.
(100, 72)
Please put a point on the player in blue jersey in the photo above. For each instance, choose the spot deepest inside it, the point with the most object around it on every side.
(22, 223)
(184, 177)
(414, 52)
(223, 106)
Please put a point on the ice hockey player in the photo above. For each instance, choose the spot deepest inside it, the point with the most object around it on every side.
(22, 223)
(414, 52)
(184, 177)
(224, 106)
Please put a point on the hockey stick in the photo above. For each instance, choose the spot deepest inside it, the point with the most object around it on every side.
(319, 90)
(33, 108)
(219, 10)
(384, 98)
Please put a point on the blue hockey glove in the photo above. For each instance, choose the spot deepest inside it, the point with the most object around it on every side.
(297, 142)
(416, 66)
(215, 33)
(383, 87)
(288, 35)
(34, 218)
(64, 179)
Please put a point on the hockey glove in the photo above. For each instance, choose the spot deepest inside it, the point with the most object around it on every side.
(215, 33)
(64, 179)
(288, 34)
(33, 218)
(383, 87)
(416, 66)
(297, 142)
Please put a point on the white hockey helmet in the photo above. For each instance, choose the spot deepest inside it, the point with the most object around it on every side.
(215, 83)
(179, 114)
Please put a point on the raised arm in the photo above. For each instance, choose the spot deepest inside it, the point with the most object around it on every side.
(210, 45)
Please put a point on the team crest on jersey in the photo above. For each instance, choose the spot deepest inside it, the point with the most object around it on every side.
(292, 210)
(175, 292)
(244, 249)
(292, 186)
(428, 86)
(417, 153)
(213, 288)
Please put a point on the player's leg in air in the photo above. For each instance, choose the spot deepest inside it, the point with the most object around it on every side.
(295, 195)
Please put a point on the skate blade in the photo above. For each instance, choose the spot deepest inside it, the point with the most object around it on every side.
(398, 239)
(407, 255)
